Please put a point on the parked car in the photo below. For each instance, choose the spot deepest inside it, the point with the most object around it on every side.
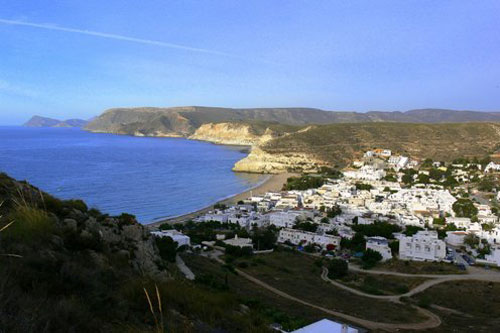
(461, 267)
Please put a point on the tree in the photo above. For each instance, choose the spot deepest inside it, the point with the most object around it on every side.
(464, 208)
(471, 240)
(334, 211)
(370, 258)
(167, 248)
(384, 229)
(337, 268)
(423, 178)
(306, 226)
(412, 230)
(407, 179)
(264, 239)
(394, 247)
(358, 242)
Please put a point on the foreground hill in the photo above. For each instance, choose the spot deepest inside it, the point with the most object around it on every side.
(37, 121)
(67, 268)
(184, 121)
(338, 144)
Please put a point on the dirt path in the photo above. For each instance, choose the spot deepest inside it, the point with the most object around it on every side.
(432, 319)
(435, 279)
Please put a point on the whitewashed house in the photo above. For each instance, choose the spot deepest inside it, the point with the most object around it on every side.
(380, 245)
(492, 167)
(455, 238)
(177, 236)
(424, 245)
(300, 237)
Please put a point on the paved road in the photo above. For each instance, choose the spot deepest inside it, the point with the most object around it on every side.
(183, 268)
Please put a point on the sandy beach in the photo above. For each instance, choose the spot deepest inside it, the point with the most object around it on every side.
(273, 183)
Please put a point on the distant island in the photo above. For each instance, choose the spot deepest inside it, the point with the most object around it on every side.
(38, 121)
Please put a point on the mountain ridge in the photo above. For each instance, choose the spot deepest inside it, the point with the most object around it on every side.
(185, 120)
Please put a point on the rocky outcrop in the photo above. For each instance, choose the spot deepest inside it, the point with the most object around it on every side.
(259, 161)
(231, 134)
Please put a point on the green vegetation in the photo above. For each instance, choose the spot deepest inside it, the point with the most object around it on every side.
(363, 187)
(303, 182)
(298, 275)
(306, 226)
(337, 268)
(417, 267)
(472, 304)
(464, 208)
(370, 258)
(78, 271)
(381, 284)
(341, 143)
(378, 228)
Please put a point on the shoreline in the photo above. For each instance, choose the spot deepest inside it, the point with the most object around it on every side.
(272, 183)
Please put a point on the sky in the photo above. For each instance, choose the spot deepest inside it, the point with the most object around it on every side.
(74, 59)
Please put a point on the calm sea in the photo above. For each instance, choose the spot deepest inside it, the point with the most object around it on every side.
(151, 178)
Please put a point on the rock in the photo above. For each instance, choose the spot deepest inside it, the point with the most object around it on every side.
(259, 161)
(70, 225)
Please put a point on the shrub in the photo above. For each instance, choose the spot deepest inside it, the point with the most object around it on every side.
(77, 204)
(370, 258)
(30, 225)
(337, 268)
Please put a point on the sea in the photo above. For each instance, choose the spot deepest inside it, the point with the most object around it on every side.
(151, 178)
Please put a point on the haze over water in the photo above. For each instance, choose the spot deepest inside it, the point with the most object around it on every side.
(148, 177)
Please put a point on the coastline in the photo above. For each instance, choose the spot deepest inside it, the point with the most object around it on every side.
(272, 183)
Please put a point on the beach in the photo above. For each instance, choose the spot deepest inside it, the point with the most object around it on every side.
(273, 183)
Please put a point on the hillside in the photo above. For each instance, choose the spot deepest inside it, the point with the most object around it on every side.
(37, 121)
(337, 144)
(68, 268)
(184, 121)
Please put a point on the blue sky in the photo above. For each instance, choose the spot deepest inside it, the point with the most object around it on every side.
(76, 58)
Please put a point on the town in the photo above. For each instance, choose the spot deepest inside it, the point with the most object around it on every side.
(390, 204)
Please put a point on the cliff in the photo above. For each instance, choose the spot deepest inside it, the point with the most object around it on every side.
(232, 134)
(259, 161)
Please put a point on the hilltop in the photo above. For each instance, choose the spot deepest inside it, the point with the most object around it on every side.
(38, 121)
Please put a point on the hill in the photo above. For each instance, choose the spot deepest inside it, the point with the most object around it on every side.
(37, 121)
(184, 121)
(338, 144)
(68, 268)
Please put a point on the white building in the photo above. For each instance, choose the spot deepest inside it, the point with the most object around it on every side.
(326, 326)
(240, 242)
(424, 245)
(380, 245)
(177, 236)
(494, 256)
(300, 237)
(284, 219)
(492, 167)
(459, 222)
(455, 238)
(216, 217)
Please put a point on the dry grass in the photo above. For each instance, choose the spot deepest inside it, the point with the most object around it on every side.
(159, 324)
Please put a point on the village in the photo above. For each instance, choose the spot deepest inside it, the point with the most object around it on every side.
(391, 204)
